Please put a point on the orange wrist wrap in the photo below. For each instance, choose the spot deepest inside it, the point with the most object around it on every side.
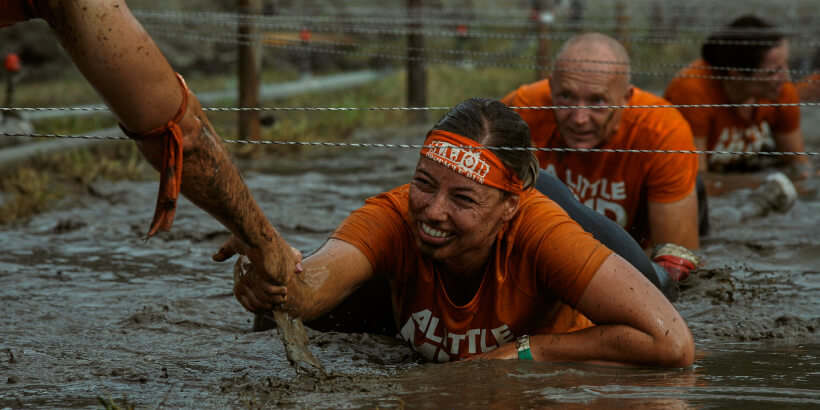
(171, 169)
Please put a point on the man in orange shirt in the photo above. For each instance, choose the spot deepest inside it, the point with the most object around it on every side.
(651, 195)
(745, 63)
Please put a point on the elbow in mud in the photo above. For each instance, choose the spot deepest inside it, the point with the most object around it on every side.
(676, 349)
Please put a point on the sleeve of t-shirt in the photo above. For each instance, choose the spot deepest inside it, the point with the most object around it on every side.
(672, 176)
(566, 257)
(789, 118)
(376, 230)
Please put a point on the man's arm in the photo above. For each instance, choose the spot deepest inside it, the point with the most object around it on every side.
(635, 325)
(675, 222)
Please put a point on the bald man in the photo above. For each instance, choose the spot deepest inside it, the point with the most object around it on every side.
(651, 195)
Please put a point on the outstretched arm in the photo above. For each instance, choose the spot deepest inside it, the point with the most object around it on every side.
(125, 66)
(635, 325)
(329, 276)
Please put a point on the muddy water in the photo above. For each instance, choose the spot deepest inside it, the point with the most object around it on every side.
(89, 311)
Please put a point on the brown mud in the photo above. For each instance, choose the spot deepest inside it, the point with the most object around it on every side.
(90, 312)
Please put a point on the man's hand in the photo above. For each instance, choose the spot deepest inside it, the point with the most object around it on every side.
(678, 261)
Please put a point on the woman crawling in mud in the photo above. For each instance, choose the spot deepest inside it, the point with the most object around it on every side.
(480, 265)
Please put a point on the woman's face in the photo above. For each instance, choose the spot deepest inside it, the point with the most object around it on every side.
(769, 85)
(453, 216)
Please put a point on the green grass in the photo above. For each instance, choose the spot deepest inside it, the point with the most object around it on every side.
(28, 190)
(36, 186)
(31, 188)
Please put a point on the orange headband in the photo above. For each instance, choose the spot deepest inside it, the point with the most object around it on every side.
(480, 164)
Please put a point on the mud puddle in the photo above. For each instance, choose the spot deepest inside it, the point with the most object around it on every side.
(88, 311)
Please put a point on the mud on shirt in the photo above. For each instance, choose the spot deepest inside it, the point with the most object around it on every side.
(540, 260)
(618, 185)
(722, 127)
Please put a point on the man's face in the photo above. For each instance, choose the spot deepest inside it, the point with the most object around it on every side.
(578, 84)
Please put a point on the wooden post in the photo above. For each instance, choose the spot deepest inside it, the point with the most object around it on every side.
(622, 28)
(576, 15)
(542, 57)
(656, 24)
(248, 72)
(416, 71)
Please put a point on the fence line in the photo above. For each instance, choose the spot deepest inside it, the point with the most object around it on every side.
(454, 17)
(440, 108)
(298, 45)
(148, 16)
(262, 38)
(419, 146)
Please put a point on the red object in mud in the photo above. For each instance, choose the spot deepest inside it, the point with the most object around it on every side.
(678, 261)
(461, 29)
(677, 268)
(12, 63)
(304, 35)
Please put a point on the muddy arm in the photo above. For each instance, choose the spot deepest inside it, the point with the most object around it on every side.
(330, 275)
(675, 222)
(127, 69)
(635, 325)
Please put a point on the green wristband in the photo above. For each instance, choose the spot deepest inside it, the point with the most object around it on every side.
(522, 344)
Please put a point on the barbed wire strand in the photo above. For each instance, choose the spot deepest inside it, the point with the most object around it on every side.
(419, 146)
(682, 9)
(447, 33)
(252, 39)
(454, 19)
(440, 108)
(298, 46)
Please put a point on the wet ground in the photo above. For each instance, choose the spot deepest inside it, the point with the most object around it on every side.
(90, 312)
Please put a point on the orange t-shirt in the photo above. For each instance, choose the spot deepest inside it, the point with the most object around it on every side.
(723, 128)
(617, 185)
(809, 88)
(541, 259)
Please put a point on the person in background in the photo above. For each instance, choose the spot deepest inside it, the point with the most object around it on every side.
(157, 109)
(808, 89)
(744, 63)
(652, 195)
(478, 261)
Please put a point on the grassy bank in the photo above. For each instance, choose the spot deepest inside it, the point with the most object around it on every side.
(45, 180)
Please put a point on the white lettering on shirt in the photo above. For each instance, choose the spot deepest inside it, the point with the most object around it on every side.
(602, 195)
(750, 139)
(425, 334)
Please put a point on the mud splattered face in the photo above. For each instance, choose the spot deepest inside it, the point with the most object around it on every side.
(453, 217)
(591, 85)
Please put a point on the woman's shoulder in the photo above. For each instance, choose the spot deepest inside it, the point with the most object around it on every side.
(694, 83)
(396, 197)
(536, 206)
